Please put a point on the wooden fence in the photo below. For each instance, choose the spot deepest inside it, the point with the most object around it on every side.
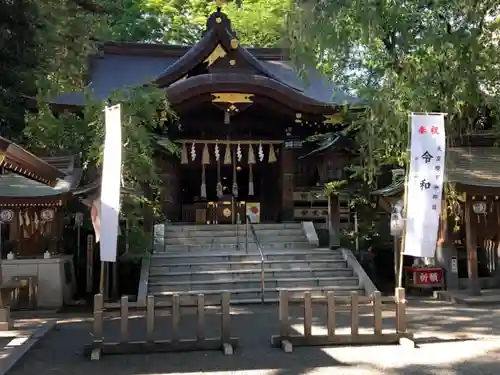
(100, 346)
(353, 304)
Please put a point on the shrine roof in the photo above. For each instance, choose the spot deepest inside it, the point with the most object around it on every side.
(19, 190)
(22, 162)
(120, 65)
(470, 166)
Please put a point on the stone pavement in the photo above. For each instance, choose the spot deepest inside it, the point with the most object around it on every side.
(452, 340)
(17, 342)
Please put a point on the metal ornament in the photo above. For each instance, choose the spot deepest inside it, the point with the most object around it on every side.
(479, 207)
(47, 214)
(6, 216)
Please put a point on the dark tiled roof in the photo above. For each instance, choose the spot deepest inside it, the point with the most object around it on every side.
(116, 71)
(475, 166)
(472, 166)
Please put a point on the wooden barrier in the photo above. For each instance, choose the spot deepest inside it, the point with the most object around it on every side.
(100, 346)
(334, 304)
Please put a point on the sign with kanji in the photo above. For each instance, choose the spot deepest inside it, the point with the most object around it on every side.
(425, 184)
(427, 276)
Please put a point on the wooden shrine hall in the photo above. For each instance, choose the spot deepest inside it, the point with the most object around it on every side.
(244, 114)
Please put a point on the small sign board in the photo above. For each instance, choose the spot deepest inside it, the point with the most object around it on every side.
(454, 264)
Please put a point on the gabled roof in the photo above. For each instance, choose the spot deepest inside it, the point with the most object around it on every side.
(118, 65)
(22, 162)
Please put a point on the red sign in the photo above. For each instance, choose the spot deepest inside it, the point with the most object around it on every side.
(427, 276)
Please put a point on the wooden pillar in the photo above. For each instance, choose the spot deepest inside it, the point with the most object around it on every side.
(287, 184)
(471, 242)
(333, 221)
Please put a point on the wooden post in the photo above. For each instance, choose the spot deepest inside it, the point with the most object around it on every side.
(124, 319)
(333, 221)
(150, 318)
(283, 314)
(176, 317)
(377, 314)
(400, 297)
(354, 314)
(226, 317)
(307, 314)
(287, 184)
(471, 241)
(330, 314)
(200, 332)
(98, 318)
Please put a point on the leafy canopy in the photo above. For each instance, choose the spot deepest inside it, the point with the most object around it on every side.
(404, 56)
(258, 23)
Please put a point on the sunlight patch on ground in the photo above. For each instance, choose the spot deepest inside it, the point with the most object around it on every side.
(394, 356)
(247, 372)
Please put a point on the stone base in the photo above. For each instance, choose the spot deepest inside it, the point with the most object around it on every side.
(6, 323)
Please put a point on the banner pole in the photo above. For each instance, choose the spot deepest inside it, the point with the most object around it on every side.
(405, 209)
(101, 278)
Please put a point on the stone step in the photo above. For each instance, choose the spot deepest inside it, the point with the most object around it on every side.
(233, 246)
(243, 296)
(220, 257)
(216, 240)
(244, 265)
(176, 286)
(227, 227)
(232, 233)
(248, 274)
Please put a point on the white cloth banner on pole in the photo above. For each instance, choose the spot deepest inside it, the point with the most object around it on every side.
(110, 185)
(425, 184)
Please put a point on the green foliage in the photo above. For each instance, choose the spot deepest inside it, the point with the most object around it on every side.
(258, 23)
(399, 57)
(145, 111)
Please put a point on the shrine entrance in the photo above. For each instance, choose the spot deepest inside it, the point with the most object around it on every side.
(211, 188)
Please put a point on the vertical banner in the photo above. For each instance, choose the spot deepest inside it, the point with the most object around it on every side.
(425, 184)
(110, 185)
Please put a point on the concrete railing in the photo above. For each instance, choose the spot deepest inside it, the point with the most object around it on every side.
(310, 232)
(364, 280)
(142, 292)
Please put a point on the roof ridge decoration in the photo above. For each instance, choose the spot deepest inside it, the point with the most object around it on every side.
(217, 39)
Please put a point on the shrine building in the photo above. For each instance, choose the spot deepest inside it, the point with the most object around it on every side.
(244, 114)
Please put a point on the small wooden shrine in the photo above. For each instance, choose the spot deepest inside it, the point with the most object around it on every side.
(469, 235)
(33, 195)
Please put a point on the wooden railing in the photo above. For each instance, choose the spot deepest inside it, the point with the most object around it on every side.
(101, 346)
(335, 304)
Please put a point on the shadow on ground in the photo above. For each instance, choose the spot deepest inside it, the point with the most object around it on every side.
(61, 351)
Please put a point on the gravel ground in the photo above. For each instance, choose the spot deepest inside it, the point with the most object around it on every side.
(452, 340)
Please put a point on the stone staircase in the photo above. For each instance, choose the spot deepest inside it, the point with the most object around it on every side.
(209, 259)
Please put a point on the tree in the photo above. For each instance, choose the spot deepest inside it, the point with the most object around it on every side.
(259, 23)
(398, 57)
(145, 111)
(44, 46)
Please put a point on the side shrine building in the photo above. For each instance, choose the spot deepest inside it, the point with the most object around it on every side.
(244, 114)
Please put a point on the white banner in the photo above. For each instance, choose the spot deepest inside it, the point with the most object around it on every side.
(110, 185)
(425, 184)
